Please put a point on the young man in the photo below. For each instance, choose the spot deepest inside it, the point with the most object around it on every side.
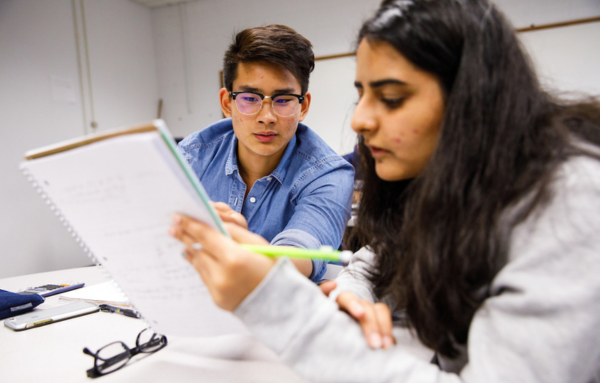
(287, 184)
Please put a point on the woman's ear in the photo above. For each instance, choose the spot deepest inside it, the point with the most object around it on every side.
(225, 102)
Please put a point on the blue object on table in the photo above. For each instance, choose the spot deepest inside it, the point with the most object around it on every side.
(12, 304)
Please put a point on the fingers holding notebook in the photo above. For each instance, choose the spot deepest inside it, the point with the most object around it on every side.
(229, 271)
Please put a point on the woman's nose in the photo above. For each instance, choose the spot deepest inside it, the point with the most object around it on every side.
(363, 120)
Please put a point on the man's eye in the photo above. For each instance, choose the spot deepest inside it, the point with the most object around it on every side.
(250, 99)
(283, 100)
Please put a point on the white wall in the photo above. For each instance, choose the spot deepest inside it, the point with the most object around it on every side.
(566, 58)
(334, 98)
(40, 103)
(525, 13)
(123, 62)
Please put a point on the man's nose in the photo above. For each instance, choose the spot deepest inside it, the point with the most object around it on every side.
(267, 114)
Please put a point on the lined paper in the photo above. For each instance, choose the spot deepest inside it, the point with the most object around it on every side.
(118, 196)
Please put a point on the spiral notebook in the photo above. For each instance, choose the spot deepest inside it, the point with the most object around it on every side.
(115, 192)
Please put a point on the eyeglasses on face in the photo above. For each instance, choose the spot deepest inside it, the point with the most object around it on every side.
(284, 104)
(115, 355)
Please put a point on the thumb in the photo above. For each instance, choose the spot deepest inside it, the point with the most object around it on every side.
(327, 287)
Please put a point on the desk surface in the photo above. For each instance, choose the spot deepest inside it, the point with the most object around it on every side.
(53, 353)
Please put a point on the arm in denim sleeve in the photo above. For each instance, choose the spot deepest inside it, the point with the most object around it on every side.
(193, 152)
(184, 151)
(201, 148)
(322, 211)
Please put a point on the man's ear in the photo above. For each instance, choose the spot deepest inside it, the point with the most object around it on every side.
(305, 106)
(225, 102)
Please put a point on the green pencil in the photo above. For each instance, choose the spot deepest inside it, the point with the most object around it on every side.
(324, 253)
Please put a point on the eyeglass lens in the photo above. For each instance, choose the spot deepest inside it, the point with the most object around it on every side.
(250, 103)
(112, 357)
(149, 341)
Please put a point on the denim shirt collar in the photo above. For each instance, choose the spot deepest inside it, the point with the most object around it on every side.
(280, 171)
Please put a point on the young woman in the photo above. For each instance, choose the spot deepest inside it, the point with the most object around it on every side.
(480, 217)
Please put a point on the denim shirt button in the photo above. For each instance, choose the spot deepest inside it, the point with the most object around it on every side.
(269, 178)
(252, 199)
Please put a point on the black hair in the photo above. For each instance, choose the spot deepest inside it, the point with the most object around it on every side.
(441, 237)
(275, 44)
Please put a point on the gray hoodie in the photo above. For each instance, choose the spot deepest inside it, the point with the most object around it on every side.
(540, 323)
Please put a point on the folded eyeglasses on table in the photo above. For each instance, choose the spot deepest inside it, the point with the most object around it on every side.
(115, 355)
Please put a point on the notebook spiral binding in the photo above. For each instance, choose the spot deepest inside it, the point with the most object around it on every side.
(60, 216)
(69, 228)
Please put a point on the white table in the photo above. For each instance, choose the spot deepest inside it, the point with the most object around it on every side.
(53, 353)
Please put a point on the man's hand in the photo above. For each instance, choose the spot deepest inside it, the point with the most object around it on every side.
(375, 319)
(229, 215)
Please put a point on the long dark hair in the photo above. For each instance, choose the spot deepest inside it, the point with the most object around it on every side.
(440, 238)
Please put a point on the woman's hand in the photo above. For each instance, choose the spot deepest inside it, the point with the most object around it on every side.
(229, 271)
(375, 319)
(229, 215)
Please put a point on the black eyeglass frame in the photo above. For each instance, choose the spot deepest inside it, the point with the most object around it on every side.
(262, 98)
(129, 353)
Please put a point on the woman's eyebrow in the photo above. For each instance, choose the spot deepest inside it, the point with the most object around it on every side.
(380, 83)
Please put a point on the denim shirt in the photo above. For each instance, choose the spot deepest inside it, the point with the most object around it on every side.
(305, 202)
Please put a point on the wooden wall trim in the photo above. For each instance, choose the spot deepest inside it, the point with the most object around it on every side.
(534, 27)
(531, 28)
(335, 56)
